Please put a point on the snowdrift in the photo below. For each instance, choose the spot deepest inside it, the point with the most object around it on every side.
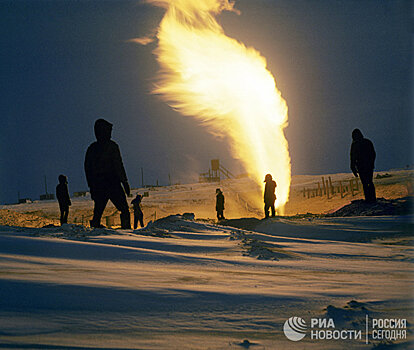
(180, 283)
(401, 206)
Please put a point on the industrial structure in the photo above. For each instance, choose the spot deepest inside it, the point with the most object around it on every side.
(213, 174)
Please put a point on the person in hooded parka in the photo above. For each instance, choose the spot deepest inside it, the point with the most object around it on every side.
(269, 196)
(219, 204)
(363, 162)
(105, 173)
(62, 195)
(138, 214)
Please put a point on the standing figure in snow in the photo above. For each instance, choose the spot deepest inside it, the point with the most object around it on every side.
(219, 204)
(62, 195)
(362, 163)
(269, 196)
(105, 173)
(138, 214)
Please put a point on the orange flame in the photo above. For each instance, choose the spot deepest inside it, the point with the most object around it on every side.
(216, 79)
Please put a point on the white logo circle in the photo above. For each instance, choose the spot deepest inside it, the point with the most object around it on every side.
(295, 328)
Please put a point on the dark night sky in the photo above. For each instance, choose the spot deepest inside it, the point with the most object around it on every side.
(339, 64)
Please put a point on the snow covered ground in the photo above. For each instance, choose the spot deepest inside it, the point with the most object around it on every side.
(185, 284)
(243, 198)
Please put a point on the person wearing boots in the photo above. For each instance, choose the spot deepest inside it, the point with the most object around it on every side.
(269, 196)
(363, 163)
(62, 195)
(106, 175)
(138, 214)
(219, 204)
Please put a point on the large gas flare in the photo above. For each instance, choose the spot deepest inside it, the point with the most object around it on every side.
(218, 80)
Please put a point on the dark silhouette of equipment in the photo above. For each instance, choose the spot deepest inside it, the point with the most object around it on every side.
(46, 196)
(213, 174)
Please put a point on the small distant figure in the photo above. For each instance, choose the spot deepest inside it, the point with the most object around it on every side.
(105, 173)
(62, 195)
(362, 163)
(138, 214)
(269, 196)
(219, 204)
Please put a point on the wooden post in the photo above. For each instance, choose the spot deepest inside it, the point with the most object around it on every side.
(341, 189)
(327, 189)
(356, 184)
(308, 193)
(304, 192)
(330, 185)
(351, 186)
(323, 184)
(410, 187)
(319, 189)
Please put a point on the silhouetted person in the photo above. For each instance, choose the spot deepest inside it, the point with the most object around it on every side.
(105, 173)
(138, 214)
(219, 204)
(362, 163)
(269, 195)
(62, 195)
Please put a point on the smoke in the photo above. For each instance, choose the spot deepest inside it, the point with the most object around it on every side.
(145, 40)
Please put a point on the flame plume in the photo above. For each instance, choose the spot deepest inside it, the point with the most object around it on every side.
(216, 79)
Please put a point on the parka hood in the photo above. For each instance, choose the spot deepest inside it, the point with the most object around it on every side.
(63, 179)
(357, 135)
(103, 130)
(268, 178)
